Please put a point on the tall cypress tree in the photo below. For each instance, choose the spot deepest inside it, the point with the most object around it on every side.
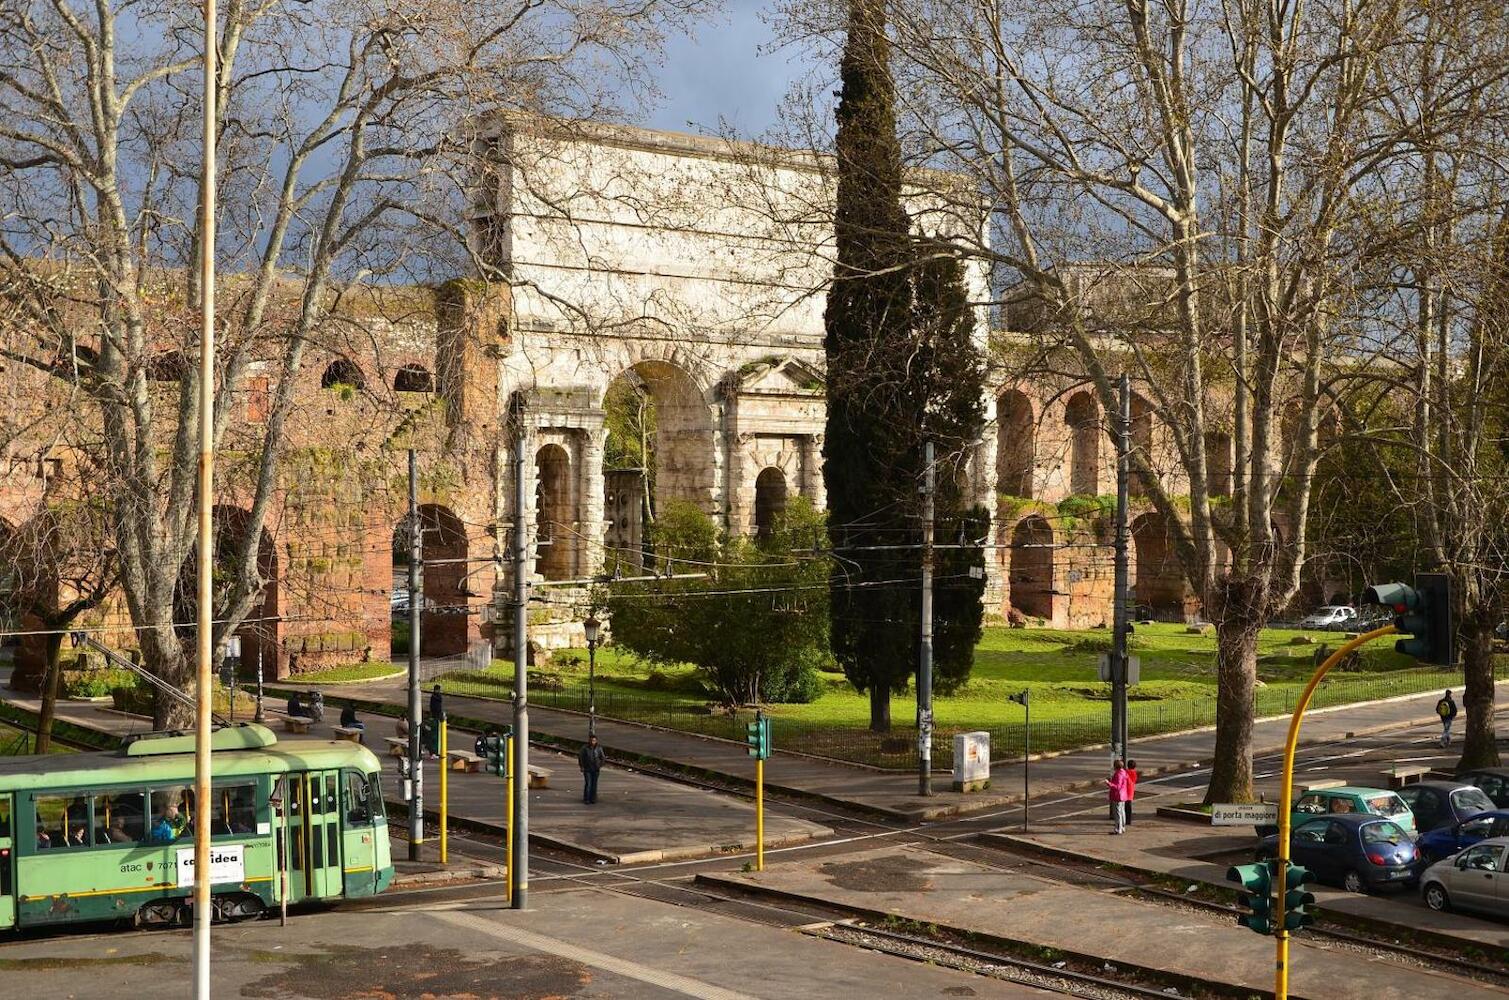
(902, 367)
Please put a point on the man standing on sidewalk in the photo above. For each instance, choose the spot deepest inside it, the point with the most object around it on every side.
(591, 761)
(1446, 708)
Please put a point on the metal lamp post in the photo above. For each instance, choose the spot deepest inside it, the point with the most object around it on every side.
(591, 627)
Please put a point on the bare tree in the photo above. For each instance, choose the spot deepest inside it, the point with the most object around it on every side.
(1179, 190)
(344, 143)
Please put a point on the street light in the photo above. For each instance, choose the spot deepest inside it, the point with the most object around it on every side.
(591, 627)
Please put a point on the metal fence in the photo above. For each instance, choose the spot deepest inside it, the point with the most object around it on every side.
(897, 749)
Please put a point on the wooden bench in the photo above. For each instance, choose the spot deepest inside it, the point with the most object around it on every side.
(463, 760)
(397, 746)
(1405, 774)
(297, 723)
(352, 733)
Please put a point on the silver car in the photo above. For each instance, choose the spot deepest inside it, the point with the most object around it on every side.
(1475, 879)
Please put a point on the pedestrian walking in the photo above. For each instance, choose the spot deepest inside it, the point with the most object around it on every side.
(1446, 708)
(1119, 786)
(591, 761)
(1131, 788)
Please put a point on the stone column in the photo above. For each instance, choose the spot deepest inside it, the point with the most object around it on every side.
(590, 551)
(812, 486)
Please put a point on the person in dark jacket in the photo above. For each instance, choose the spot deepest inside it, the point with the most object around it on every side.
(590, 760)
(1446, 708)
(437, 704)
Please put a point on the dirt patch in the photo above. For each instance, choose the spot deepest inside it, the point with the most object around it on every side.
(894, 873)
(73, 962)
(418, 971)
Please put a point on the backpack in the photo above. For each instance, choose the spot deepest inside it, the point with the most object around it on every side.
(1443, 708)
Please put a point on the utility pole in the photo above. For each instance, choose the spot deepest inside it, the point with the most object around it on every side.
(1119, 663)
(416, 728)
(925, 646)
(203, 677)
(519, 821)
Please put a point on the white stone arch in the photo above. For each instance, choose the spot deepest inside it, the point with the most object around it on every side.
(686, 452)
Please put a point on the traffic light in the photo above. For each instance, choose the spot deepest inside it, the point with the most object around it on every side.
(1423, 612)
(491, 748)
(1256, 895)
(757, 735)
(1299, 905)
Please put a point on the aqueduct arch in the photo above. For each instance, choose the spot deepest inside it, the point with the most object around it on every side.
(1082, 417)
(1016, 444)
(1159, 580)
(1031, 578)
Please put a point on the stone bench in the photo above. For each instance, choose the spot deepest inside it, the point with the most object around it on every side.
(539, 777)
(297, 723)
(1405, 774)
(352, 733)
(1319, 784)
(463, 760)
(397, 746)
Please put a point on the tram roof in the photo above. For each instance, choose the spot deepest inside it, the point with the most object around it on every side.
(108, 768)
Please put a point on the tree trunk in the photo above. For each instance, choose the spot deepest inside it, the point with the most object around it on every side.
(880, 708)
(1238, 622)
(164, 656)
(1479, 748)
(52, 683)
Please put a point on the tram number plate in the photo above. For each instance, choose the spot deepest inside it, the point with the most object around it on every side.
(227, 864)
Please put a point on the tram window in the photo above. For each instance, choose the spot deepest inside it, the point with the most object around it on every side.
(62, 821)
(172, 814)
(120, 818)
(358, 798)
(4, 815)
(235, 809)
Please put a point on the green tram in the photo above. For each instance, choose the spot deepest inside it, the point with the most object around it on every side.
(110, 836)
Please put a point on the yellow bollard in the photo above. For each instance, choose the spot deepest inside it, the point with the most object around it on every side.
(759, 814)
(444, 788)
(1286, 795)
(508, 817)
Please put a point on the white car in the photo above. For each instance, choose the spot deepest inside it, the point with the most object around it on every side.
(1476, 879)
(1330, 616)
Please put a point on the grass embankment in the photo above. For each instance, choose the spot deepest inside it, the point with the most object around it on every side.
(1070, 706)
(348, 673)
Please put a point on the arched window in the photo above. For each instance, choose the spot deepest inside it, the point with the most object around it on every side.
(342, 372)
(413, 378)
(1015, 444)
(1082, 416)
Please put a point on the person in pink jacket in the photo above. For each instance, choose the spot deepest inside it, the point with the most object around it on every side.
(1120, 786)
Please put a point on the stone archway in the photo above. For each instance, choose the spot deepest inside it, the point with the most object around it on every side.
(1141, 433)
(555, 514)
(1016, 444)
(1082, 418)
(1031, 577)
(1159, 582)
(443, 613)
(770, 500)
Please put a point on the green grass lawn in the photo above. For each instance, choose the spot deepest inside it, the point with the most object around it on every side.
(1070, 706)
(15, 741)
(369, 671)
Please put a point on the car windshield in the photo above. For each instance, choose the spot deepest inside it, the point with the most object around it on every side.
(1383, 833)
(1471, 800)
(1387, 805)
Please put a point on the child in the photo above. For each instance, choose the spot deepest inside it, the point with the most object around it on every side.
(1131, 787)
(1119, 787)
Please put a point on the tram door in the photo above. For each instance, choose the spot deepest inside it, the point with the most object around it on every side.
(7, 864)
(322, 822)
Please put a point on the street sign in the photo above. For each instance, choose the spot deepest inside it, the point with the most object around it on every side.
(1134, 669)
(1244, 814)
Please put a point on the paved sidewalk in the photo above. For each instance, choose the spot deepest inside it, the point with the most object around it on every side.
(918, 885)
(894, 794)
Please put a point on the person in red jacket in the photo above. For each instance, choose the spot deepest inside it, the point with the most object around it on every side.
(1131, 787)
(1119, 792)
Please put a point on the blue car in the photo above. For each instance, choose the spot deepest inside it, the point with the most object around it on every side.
(1356, 851)
(1448, 840)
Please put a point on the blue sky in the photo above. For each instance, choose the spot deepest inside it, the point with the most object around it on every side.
(720, 73)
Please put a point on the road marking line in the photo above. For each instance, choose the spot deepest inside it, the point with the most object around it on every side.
(598, 960)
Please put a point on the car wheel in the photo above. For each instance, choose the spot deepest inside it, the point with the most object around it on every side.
(1353, 881)
(1436, 898)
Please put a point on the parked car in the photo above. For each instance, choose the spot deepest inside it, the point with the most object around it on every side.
(1476, 879)
(1445, 841)
(1332, 616)
(1443, 803)
(1349, 799)
(1494, 781)
(1355, 851)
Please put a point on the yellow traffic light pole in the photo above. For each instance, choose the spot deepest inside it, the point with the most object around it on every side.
(444, 787)
(1281, 875)
(759, 814)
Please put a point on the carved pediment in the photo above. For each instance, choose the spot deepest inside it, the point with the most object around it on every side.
(779, 377)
